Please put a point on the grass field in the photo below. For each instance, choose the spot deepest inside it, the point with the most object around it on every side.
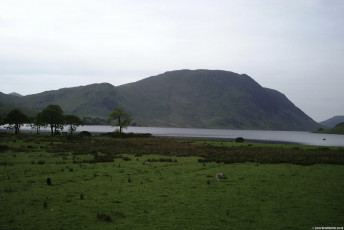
(176, 190)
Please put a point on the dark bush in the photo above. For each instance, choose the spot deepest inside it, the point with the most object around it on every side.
(126, 158)
(85, 134)
(239, 139)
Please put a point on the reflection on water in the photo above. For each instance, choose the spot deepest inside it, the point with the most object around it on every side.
(298, 137)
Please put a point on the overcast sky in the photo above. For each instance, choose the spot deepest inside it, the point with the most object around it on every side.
(293, 46)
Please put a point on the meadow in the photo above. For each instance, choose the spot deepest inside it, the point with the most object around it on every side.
(102, 183)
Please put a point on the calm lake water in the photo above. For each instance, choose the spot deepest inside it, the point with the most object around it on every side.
(303, 138)
(297, 137)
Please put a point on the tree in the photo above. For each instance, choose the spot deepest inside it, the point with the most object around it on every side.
(16, 119)
(37, 122)
(73, 122)
(53, 116)
(121, 119)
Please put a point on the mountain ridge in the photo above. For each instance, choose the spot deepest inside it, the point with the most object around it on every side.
(182, 98)
(333, 121)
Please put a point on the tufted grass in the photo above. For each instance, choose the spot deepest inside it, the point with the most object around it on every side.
(180, 193)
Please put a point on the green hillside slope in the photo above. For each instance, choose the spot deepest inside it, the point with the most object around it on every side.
(9, 102)
(338, 129)
(216, 99)
(183, 98)
(96, 100)
(332, 122)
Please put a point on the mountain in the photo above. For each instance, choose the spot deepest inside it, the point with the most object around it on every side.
(8, 102)
(96, 100)
(332, 122)
(15, 94)
(183, 98)
(338, 129)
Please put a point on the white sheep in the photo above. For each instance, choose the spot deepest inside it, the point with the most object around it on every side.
(219, 176)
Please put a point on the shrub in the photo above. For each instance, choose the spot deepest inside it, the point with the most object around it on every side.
(126, 158)
(85, 134)
(239, 139)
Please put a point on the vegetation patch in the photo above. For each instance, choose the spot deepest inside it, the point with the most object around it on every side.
(338, 129)
(179, 187)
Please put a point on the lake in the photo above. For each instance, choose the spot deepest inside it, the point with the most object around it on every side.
(296, 137)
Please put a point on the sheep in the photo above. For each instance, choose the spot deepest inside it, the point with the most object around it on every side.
(219, 176)
(145, 163)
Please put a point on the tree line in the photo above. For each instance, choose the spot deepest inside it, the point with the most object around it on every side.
(52, 116)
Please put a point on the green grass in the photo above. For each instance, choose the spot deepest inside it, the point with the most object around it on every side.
(181, 194)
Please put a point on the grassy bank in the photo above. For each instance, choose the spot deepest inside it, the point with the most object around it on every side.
(176, 190)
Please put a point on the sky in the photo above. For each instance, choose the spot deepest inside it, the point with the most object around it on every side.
(293, 46)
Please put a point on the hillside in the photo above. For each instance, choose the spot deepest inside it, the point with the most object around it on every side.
(338, 129)
(8, 102)
(15, 94)
(183, 98)
(96, 100)
(213, 99)
(332, 122)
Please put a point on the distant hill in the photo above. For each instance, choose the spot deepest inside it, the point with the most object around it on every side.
(332, 122)
(96, 100)
(338, 129)
(183, 98)
(15, 94)
(8, 102)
